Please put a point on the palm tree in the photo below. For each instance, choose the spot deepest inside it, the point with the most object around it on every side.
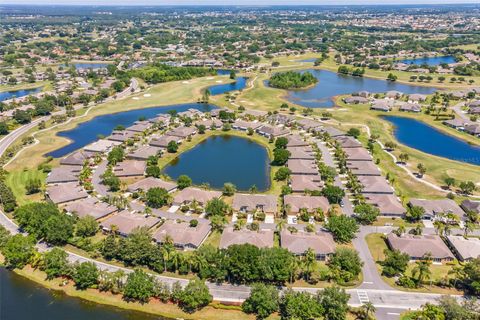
(367, 310)
(468, 227)
(309, 262)
(293, 268)
(439, 226)
(422, 269)
(281, 225)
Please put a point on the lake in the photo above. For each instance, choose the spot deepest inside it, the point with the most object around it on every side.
(21, 298)
(430, 61)
(239, 84)
(90, 65)
(418, 135)
(88, 132)
(5, 95)
(223, 72)
(331, 84)
(224, 158)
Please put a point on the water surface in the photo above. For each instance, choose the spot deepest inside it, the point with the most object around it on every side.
(430, 61)
(6, 95)
(90, 65)
(89, 131)
(418, 135)
(22, 299)
(239, 84)
(224, 158)
(331, 84)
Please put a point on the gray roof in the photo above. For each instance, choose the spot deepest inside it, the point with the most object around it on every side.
(189, 194)
(126, 222)
(363, 168)
(90, 206)
(465, 248)
(65, 192)
(348, 142)
(470, 205)
(129, 168)
(300, 183)
(77, 158)
(438, 206)
(182, 132)
(375, 184)
(144, 152)
(357, 154)
(311, 203)
(388, 204)
(151, 182)
(162, 141)
(64, 174)
(300, 166)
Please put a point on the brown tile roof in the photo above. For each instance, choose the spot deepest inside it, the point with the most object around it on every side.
(64, 174)
(90, 206)
(129, 168)
(375, 184)
(261, 239)
(65, 192)
(126, 222)
(189, 194)
(417, 246)
(300, 183)
(311, 203)
(139, 126)
(388, 204)
(162, 141)
(300, 166)
(357, 154)
(182, 132)
(465, 248)
(252, 202)
(182, 234)
(348, 142)
(321, 243)
(77, 158)
(144, 152)
(363, 168)
(435, 207)
(151, 182)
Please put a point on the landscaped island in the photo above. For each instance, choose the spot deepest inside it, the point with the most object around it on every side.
(292, 80)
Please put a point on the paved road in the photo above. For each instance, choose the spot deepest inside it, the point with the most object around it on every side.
(100, 188)
(458, 110)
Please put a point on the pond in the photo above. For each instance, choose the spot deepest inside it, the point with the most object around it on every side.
(89, 131)
(430, 61)
(224, 158)
(6, 95)
(224, 72)
(418, 135)
(21, 298)
(331, 84)
(239, 84)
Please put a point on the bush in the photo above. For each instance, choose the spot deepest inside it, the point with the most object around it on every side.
(7, 198)
(139, 286)
(195, 296)
(85, 275)
(263, 301)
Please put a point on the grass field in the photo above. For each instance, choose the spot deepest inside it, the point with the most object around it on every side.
(17, 181)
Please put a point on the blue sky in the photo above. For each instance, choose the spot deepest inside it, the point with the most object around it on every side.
(233, 2)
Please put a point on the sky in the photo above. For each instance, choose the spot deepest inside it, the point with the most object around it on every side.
(233, 2)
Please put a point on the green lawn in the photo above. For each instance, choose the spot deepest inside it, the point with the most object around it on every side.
(17, 180)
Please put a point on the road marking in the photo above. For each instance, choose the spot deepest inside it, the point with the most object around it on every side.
(393, 313)
(363, 296)
(368, 282)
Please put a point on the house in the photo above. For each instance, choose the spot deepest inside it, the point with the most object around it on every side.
(260, 239)
(416, 97)
(456, 123)
(182, 132)
(470, 205)
(473, 129)
(163, 141)
(254, 202)
(130, 168)
(210, 123)
(184, 235)
(411, 107)
(64, 174)
(245, 125)
(300, 183)
(77, 158)
(125, 222)
(433, 208)
(272, 132)
(387, 204)
(190, 194)
(308, 124)
(381, 105)
(363, 168)
(144, 152)
(348, 142)
(393, 94)
(295, 203)
(139, 126)
(357, 154)
(151, 182)
(101, 146)
(304, 153)
(65, 192)
(333, 132)
(296, 141)
(375, 184)
(90, 206)
(355, 100)
(121, 135)
(419, 246)
(299, 166)
(465, 249)
(321, 243)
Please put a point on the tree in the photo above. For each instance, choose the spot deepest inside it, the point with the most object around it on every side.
(116, 155)
(18, 250)
(55, 263)
(415, 213)
(354, 132)
(195, 296)
(217, 207)
(392, 77)
(33, 185)
(280, 157)
(58, 229)
(157, 197)
(449, 182)
(367, 311)
(422, 271)
(172, 147)
(342, 227)
(333, 193)
(299, 305)
(345, 264)
(86, 227)
(467, 187)
(153, 171)
(229, 189)
(366, 213)
(3, 128)
(201, 129)
(395, 263)
(469, 276)
(334, 302)
(421, 169)
(184, 181)
(232, 74)
(263, 301)
(403, 158)
(281, 143)
(85, 275)
(139, 286)
(282, 174)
